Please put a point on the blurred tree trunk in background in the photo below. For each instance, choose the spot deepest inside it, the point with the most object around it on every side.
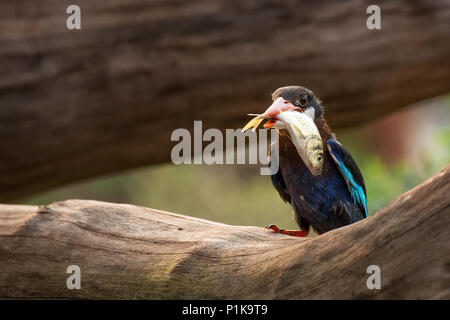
(77, 104)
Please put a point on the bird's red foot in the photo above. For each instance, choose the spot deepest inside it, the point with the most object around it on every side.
(272, 227)
(293, 233)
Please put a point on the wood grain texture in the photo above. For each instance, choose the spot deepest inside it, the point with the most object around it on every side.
(77, 104)
(128, 252)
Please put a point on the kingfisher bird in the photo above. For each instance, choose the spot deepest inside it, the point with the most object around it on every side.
(325, 193)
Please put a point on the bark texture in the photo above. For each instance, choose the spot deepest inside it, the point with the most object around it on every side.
(129, 252)
(76, 104)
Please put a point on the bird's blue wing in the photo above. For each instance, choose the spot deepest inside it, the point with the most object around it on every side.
(351, 173)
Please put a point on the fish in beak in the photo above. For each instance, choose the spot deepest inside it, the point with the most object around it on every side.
(305, 136)
(278, 106)
(301, 130)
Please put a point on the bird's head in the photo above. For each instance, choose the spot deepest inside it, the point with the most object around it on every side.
(295, 98)
(292, 112)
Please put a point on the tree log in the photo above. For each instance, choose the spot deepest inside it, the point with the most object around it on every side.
(129, 252)
(80, 103)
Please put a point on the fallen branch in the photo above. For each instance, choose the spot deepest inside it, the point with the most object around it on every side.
(126, 251)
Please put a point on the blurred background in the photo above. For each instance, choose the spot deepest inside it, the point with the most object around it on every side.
(394, 153)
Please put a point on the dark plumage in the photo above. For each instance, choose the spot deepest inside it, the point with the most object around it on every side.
(336, 197)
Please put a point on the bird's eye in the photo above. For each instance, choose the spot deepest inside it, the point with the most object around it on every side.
(303, 100)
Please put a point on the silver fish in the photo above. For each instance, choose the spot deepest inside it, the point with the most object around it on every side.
(305, 136)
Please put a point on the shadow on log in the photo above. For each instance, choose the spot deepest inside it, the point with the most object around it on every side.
(78, 104)
(131, 252)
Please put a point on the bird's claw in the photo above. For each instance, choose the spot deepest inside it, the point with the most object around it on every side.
(295, 233)
(272, 227)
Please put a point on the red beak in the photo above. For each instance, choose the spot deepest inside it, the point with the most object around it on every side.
(270, 123)
(278, 106)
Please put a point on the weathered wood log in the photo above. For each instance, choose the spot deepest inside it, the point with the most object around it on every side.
(76, 104)
(125, 251)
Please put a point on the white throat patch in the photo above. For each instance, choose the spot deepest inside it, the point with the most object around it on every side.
(310, 112)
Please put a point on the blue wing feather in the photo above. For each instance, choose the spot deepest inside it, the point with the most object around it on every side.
(350, 172)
